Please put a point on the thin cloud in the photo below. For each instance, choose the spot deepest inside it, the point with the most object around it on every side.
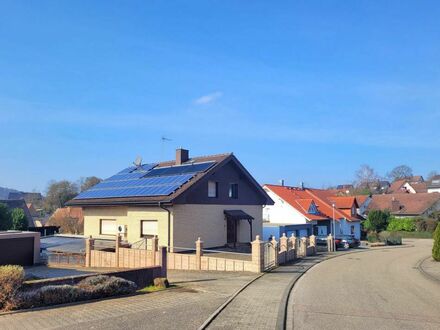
(209, 98)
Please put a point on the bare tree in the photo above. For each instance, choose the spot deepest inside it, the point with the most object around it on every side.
(400, 172)
(89, 182)
(365, 176)
(68, 225)
(431, 175)
(59, 193)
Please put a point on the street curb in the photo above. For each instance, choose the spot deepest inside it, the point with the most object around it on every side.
(424, 272)
(227, 302)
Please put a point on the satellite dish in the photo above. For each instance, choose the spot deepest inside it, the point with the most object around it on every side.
(138, 161)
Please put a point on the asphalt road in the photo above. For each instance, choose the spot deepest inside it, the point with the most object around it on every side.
(378, 289)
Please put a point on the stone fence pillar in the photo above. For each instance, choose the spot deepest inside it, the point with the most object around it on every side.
(312, 239)
(90, 242)
(154, 248)
(275, 248)
(330, 243)
(199, 253)
(303, 247)
(283, 249)
(294, 247)
(163, 263)
(117, 245)
(258, 255)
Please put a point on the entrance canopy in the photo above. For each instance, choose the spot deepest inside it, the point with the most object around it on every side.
(232, 218)
(237, 215)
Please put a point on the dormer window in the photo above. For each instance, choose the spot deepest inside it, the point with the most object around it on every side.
(313, 209)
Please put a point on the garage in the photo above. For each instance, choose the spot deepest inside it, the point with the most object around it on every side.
(19, 248)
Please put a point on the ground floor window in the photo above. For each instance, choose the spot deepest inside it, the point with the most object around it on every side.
(149, 228)
(322, 230)
(108, 227)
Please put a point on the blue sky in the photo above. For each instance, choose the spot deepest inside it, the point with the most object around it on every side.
(301, 90)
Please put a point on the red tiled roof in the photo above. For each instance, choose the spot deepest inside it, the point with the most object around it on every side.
(298, 198)
(404, 204)
(361, 199)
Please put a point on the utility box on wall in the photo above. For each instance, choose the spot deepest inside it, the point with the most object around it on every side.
(19, 248)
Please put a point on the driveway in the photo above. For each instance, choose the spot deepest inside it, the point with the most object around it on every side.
(378, 289)
(198, 295)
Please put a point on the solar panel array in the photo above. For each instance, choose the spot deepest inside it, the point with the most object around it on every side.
(145, 181)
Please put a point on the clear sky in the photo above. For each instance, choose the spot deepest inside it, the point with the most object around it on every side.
(301, 90)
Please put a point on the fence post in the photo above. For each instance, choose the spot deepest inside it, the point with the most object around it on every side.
(330, 244)
(303, 246)
(293, 246)
(283, 248)
(313, 243)
(275, 248)
(154, 248)
(258, 254)
(89, 247)
(117, 244)
(199, 253)
(163, 260)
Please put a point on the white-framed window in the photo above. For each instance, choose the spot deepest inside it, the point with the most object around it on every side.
(149, 228)
(233, 190)
(108, 227)
(212, 189)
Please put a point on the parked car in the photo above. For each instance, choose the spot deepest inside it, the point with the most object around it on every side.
(347, 241)
(322, 240)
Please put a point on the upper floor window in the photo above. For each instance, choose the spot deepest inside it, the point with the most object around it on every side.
(212, 189)
(233, 190)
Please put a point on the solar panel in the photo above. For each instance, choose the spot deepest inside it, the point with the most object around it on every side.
(180, 169)
(145, 181)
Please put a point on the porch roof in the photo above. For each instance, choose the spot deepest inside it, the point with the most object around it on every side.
(237, 215)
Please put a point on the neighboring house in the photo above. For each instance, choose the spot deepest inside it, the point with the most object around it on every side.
(376, 187)
(304, 211)
(345, 188)
(407, 205)
(212, 197)
(30, 197)
(20, 204)
(434, 184)
(407, 186)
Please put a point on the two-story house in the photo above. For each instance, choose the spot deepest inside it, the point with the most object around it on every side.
(212, 197)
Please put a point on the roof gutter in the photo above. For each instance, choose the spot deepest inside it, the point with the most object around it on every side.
(169, 223)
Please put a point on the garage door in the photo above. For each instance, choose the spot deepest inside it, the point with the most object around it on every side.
(17, 251)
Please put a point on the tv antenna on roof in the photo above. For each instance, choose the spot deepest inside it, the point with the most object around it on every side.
(138, 161)
(163, 139)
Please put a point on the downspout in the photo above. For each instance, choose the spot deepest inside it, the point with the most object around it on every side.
(169, 224)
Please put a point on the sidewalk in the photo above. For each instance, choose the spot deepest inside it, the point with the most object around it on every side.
(257, 306)
(430, 268)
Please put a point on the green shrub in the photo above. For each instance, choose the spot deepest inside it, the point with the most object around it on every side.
(93, 287)
(436, 247)
(19, 220)
(426, 224)
(104, 286)
(372, 237)
(402, 224)
(11, 279)
(377, 220)
(390, 238)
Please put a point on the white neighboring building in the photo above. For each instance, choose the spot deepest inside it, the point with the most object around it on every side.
(306, 211)
(434, 184)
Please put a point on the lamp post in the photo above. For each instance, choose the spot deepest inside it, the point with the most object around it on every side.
(334, 228)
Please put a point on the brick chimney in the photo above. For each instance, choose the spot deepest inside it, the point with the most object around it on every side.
(395, 204)
(182, 156)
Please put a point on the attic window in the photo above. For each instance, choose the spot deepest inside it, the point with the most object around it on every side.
(313, 209)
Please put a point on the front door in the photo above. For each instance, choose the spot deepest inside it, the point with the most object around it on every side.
(231, 231)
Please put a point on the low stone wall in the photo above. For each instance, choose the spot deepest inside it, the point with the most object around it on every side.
(142, 277)
(183, 261)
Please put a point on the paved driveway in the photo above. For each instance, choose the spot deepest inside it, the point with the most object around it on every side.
(187, 307)
(378, 289)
